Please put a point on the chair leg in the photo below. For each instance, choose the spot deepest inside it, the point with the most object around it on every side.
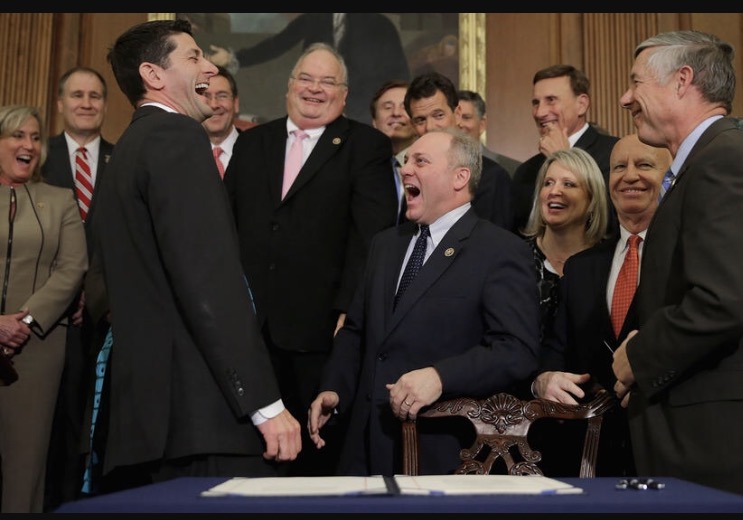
(409, 448)
(591, 447)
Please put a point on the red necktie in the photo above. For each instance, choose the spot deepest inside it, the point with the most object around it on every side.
(624, 290)
(293, 162)
(83, 181)
(217, 151)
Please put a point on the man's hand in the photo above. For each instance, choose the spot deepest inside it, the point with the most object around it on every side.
(321, 410)
(413, 391)
(560, 386)
(77, 316)
(554, 137)
(340, 322)
(623, 371)
(283, 437)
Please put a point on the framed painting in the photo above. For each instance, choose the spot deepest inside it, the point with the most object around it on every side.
(263, 48)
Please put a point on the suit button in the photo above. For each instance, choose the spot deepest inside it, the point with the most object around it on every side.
(274, 227)
(271, 267)
(382, 357)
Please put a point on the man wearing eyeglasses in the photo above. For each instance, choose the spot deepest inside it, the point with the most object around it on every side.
(304, 235)
(220, 126)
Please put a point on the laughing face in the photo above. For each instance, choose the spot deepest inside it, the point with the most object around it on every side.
(20, 152)
(183, 83)
(317, 91)
(554, 104)
(563, 198)
(433, 186)
(635, 177)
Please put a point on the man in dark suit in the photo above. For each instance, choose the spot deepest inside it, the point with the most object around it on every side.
(223, 97)
(580, 354)
(467, 325)
(682, 373)
(191, 386)
(390, 117)
(432, 102)
(369, 43)
(82, 96)
(559, 104)
(304, 243)
(474, 121)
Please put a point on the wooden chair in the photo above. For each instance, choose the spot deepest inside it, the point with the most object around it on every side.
(502, 424)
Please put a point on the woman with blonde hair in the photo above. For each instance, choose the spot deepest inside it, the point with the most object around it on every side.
(43, 258)
(570, 213)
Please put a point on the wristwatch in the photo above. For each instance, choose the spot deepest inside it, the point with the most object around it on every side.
(28, 319)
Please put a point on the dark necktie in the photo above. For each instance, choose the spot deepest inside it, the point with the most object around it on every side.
(624, 290)
(415, 262)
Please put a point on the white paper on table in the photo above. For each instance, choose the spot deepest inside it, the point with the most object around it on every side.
(482, 485)
(298, 486)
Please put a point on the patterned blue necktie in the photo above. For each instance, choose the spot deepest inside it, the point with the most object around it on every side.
(93, 468)
(415, 262)
(668, 179)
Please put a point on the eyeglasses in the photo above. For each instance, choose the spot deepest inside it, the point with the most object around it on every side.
(219, 96)
(306, 81)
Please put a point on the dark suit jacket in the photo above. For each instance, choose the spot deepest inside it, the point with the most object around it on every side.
(595, 143)
(686, 412)
(578, 344)
(57, 171)
(188, 365)
(472, 313)
(371, 48)
(493, 199)
(304, 255)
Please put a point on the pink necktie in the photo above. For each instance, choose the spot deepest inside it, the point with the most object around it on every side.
(83, 181)
(293, 161)
(217, 151)
(624, 290)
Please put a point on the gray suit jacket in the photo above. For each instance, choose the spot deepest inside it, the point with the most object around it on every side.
(686, 411)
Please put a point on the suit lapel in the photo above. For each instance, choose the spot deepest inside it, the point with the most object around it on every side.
(441, 258)
(327, 146)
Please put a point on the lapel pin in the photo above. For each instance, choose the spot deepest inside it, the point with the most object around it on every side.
(449, 251)
(336, 140)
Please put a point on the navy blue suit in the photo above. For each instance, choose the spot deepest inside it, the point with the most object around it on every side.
(472, 313)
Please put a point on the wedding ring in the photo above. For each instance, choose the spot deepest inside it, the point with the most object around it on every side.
(407, 403)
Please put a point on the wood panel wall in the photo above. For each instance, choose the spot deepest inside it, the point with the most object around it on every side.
(35, 48)
(602, 44)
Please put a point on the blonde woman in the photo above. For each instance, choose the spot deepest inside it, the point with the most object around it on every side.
(570, 213)
(43, 258)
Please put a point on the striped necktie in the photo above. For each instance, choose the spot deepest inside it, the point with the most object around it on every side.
(83, 181)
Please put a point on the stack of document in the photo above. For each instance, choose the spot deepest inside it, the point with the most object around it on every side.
(398, 485)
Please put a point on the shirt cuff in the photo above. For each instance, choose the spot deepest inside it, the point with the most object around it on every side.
(268, 412)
